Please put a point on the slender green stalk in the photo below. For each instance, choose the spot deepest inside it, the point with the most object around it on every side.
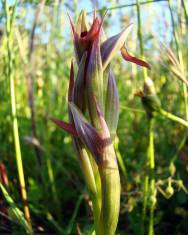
(10, 12)
(173, 117)
(140, 35)
(185, 100)
(173, 26)
(139, 28)
(145, 192)
(151, 158)
(56, 200)
(75, 212)
(131, 109)
(120, 159)
(131, 5)
(185, 10)
(180, 146)
(146, 177)
(17, 214)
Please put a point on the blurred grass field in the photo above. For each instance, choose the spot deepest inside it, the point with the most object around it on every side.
(57, 196)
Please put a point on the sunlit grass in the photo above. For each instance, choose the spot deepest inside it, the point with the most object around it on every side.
(56, 194)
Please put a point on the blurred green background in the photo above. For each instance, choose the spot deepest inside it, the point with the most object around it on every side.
(57, 196)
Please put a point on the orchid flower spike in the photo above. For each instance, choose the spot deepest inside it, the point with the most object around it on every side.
(93, 93)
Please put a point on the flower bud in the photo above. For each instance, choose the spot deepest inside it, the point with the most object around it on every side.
(94, 83)
(112, 45)
(112, 105)
(83, 37)
(150, 100)
(79, 91)
(180, 184)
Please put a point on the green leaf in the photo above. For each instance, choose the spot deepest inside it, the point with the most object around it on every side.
(15, 213)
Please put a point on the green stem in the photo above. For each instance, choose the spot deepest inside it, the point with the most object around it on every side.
(120, 158)
(10, 12)
(185, 100)
(152, 178)
(110, 181)
(123, 107)
(110, 188)
(72, 220)
(146, 178)
(180, 146)
(140, 35)
(130, 5)
(57, 203)
(173, 26)
(185, 10)
(139, 27)
(145, 196)
(173, 117)
(149, 175)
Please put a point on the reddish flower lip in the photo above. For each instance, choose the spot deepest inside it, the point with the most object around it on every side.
(93, 33)
(83, 34)
(126, 56)
(87, 35)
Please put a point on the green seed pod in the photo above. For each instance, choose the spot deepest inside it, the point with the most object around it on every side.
(179, 183)
(169, 191)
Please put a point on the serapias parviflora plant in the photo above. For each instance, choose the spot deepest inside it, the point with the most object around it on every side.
(93, 93)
